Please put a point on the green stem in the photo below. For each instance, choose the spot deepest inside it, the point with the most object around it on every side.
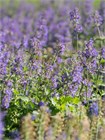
(80, 91)
(100, 35)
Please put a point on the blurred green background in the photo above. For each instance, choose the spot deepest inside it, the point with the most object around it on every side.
(96, 2)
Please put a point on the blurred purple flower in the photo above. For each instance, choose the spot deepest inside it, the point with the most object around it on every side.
(103, 52)
(9, 84)
(78, 28)
(54, 82)
(90, 51)
(14, 135)
(93, 109)
(73, 89)
(2, 115)
(98, 20)
(41, 103)
(88, 6)
(75, 18)
(7, 98)
(59, 60)
(74, 14)
(77, 74)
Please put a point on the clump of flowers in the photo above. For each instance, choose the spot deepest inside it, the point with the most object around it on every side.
(52, 55)
(75, 18)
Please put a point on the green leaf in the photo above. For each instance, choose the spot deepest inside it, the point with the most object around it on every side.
(16, 91)
(96, 3)
(102, 61)
(23, 98)
(76, 100)
(63, 107)
(72, 108)
(53, 101)
(25, 68)
(47, 91)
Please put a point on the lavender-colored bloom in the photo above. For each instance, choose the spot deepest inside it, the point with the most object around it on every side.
(42, 34)
(25, 43)
(74, 14)
(33, 117)
(75, 17)
(102, 9)
(14, 135)
(78, 28)
(93, 109)
(62, 33)
(4, 59)
(50, 67)
(54, 81)
(8, 91)
(59, 60)
(94, 64)
(88, 94)
(5, 101)
(90, 51)
(88, 7)
(32, 42)
(18, 138)
(1, 127)
(103, 52)
(77, 74)
(94, 52)
(87, 83)
(41, 103)
(60, 48)
(73, 89)
(1, 46)
(9, 84)
(7, 98)
(89, 57)
(77, 77)
(98, 20)
(89, 44)
(2, 115)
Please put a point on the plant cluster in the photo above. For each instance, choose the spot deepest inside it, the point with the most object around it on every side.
(52, 55)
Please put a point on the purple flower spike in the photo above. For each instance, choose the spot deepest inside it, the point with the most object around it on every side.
(103, 52)
(98, 20)
(78, 28)
(90, 51)
(41, 103)
(2, 115)
(7, 98)
(74, 15)
(93, 109)
(75, 18)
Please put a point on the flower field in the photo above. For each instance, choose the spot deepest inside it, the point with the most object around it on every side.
(52, 70)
